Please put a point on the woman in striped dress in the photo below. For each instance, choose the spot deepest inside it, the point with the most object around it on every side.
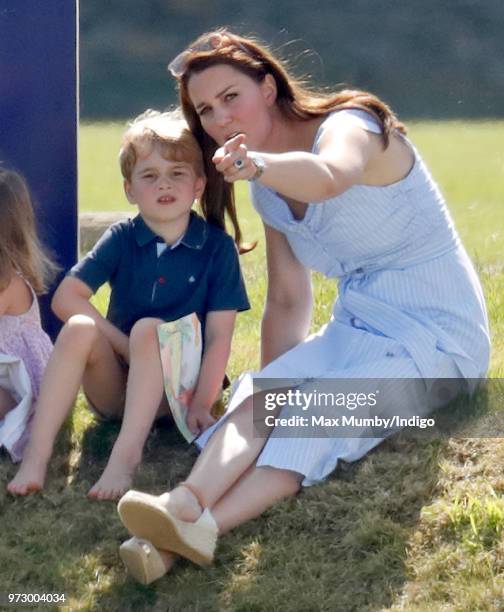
(340, 190)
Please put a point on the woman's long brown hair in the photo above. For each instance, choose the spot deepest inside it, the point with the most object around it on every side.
(296, 100)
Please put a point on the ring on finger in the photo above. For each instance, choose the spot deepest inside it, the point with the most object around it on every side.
(238, 164)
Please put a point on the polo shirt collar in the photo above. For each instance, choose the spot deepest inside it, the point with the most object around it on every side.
(194, 238)
(143, 233)
(196, 233)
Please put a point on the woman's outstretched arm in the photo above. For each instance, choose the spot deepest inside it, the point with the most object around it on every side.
(341, 161)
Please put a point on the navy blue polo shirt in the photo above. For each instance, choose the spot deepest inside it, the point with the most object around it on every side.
(200, 274)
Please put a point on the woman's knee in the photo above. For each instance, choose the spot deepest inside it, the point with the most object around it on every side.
(293, 482)
(287, 482)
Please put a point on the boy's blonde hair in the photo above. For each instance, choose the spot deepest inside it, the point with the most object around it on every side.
(20, 249)
(169, 132)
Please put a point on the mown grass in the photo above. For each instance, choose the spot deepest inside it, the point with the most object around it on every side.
(416, 525)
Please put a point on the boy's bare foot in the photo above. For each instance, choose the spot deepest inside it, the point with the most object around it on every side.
(29, 478)
(115, 480)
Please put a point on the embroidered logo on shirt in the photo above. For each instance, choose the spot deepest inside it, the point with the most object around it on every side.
(191, 279)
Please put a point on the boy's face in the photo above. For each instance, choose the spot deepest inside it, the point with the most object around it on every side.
(163, 190)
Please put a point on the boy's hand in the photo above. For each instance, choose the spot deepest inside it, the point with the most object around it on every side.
(199, 419)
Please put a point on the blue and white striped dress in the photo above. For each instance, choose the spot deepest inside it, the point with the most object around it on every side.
(410, 304)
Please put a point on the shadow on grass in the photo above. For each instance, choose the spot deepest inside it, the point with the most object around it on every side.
(59, 541)
(167, 458)
(58, 467)
(340, 546)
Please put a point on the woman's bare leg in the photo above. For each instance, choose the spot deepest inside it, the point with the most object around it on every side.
(255, 491)
(229, 454)
(80, 351)
(230, 451)
(144, 401)
(233, 487)
(258, 489)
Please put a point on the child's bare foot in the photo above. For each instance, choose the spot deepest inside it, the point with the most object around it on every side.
(29, 478)
(111, 485)
(115, 480)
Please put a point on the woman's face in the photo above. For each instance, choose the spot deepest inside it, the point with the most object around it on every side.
(229, 102)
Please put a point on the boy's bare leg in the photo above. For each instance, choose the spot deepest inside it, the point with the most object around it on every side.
(144, 401)
(7, 402)
(81, 351)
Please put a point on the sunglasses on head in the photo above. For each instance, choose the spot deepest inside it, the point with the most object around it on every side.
(178, 65)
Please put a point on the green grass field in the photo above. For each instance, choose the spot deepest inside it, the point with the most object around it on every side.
(415, 526)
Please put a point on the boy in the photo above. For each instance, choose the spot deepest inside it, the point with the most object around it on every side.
(163, 265)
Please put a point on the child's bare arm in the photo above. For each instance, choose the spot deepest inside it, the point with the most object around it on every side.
(72, 297)
(4, 301)
(218, 334)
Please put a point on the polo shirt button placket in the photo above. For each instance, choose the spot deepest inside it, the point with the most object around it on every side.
(161, 280)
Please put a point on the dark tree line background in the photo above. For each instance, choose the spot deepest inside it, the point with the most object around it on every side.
(427, 58)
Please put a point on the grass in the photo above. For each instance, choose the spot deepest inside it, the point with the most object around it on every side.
(415, 526)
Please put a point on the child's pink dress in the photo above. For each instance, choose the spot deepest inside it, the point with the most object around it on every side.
(24, 352)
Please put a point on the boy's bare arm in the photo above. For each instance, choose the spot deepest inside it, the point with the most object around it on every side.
(72, 297)
(218, 335)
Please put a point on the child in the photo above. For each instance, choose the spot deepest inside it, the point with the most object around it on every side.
(24, 346)
(163, 265)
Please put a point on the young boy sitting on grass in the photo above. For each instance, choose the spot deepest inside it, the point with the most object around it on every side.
(162, 265)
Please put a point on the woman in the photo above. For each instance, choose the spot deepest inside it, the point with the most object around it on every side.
(341, 190)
